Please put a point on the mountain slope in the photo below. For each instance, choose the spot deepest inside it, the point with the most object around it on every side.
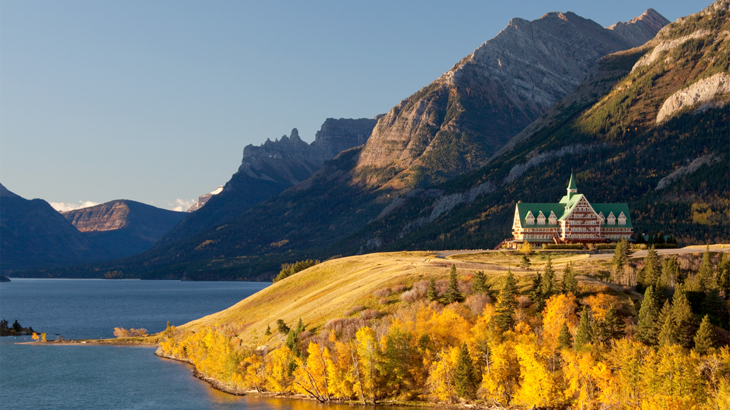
(34, 235)
(269, 169)
(457, 122)
(657, 136)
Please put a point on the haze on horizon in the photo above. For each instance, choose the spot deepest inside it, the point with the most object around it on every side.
(154, 102)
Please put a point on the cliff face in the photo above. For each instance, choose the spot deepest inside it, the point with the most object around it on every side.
(457, 122)
(269, 169)
(203, 199)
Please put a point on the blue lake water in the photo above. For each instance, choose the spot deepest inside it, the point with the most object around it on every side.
(111, 377)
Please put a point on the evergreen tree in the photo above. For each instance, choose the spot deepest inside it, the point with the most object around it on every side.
(570, 283)
(714, 305)
(664, 326)
(565, 339)
(584, 334)
(536, 293)
(504, 317)
(620, 258)
(465, 378)
(670, 275)
(525, 264)
(431, 293)
(479, 284)
(646, 329)
(282, 327)
(452, 294)
(549, 285)
(652, 268)
(685, 324)
(610, 327)
(268, 330)
(705, 275)
(704, 340)
(723, 275)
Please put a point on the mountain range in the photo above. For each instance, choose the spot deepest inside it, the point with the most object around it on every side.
(638, 112)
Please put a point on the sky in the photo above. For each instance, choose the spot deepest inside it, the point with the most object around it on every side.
(154, 101)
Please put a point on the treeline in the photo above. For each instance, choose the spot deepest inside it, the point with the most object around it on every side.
(560, 344)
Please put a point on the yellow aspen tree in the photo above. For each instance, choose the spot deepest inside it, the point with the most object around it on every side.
(559, 309)
(501, 375)
(600, 304)
(254, 372)
(441, 383)
(624, 389)
(671, 376)
(35, 336)
(582, 389)
(43, 337)
(539, 387)
(342, 382)
(280, 377)
(368, 352)
(311, 376)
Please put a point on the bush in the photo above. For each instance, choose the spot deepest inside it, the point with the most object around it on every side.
(477, 303)
(381, 293)
(398, 288)
(369, 314)
(354, 309)
(122, 332)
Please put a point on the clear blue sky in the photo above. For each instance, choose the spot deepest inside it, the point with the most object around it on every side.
(155, 100)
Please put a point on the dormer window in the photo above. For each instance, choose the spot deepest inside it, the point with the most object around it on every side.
(553, 219)
(611, 219)
(603, 218)
(541, 219)
(622, 219)
(530, 218)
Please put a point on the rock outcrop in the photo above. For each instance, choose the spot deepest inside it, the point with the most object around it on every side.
(203, 199)
(457, 122)
(713, 89)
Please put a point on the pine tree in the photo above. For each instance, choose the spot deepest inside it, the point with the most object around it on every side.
(620, 258)
(549, 286)
(646, 329)
(479, 283)
(452, 294)
(565, 340)
(584, 334)
(268, 330)
(610, 327)
(570, 283)
(652, 268)
(685, 324)
(704, 340)
(282, 327)
(465, 378)
(536, 293)
(664, 326)
(504, 317)
(723, 275)
(431, 293)
(714, 305)
(525, 264)
(705, 275)
(669, 277)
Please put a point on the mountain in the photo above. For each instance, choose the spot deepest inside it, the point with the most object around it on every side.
(649, 126)
(461, 119)
(203, 199)
(272, 167)
(123, 227)
(34, 235)
(448, 128)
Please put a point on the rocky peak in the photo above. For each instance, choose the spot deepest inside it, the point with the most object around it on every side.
(640, 29)
(5, 193)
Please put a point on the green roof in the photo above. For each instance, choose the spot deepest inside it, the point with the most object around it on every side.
(546, 209)
(606, 209)
(571, 184)
(562, 210)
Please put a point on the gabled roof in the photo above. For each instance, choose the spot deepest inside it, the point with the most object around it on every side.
(616, 209)
(523, 209)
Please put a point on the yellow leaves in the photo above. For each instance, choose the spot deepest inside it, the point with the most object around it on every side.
(600, 304)
(559, 309)
(540, 387)
(342, 382)
(310, 377)
(501, 373)
(35, 336)
(279, 378)
(440, 382)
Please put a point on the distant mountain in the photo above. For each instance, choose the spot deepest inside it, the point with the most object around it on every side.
(272, 167)
(33, 235)
(203, 199)
(123, 227)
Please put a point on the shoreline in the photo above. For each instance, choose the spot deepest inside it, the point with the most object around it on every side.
(91, 342)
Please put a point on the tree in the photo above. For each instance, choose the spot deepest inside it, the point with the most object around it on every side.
(620, 259)
(565, 339)
(705, 338)
(282, 327)
(610, 327)
(452, 294)
(665, 326)
(652, 268)
(35, 336)
(723, 275)
(670, 274)
(526, 248)
(584, 334)
(684, 320)
(465, 377)
(43, 337)
(268, 330)
(479, 283)
(431, 293)
(646, 329)
(705, 275)
(536, 295)
(549, 285)
(504, 317)
(559, 310)
(525, 263)
(570, 283)
(16, 326)
(368, 352)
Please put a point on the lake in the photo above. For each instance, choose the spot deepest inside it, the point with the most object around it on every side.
(113, 377)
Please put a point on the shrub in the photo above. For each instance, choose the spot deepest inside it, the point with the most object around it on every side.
(345, 328)
(398, 288)
(122, 332)
(383, 301)
(369, 314)
(354, 309)
(477, 303)
(381, 293)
